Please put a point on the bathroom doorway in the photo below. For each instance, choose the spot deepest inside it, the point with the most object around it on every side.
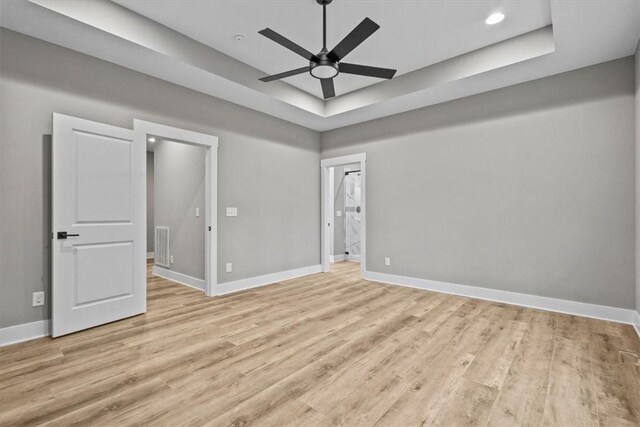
(347, 221)
(343, 210)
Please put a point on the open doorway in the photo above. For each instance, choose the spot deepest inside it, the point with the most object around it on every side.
(175, 212)
(181, 204)
(343, 210)
(347, 219)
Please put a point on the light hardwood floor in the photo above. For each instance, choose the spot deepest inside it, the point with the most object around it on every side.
(323, 350)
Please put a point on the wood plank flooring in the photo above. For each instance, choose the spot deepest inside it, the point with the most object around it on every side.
(326, 349)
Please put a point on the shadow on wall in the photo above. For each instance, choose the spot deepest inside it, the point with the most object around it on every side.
(574, 87)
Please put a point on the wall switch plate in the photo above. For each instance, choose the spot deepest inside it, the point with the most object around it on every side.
(338, 213)
(197, 212)
(38, 299)
(387, 261)
(171, 259)
(229, 267)
(232, 211)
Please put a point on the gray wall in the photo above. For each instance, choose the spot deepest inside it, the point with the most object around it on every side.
(267, 167)
(150, 195)
(637, 68)
(179, 185)
(526, 189)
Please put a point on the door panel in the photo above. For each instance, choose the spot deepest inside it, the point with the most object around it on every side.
(103, 180)
(98, 281)
(98, 188)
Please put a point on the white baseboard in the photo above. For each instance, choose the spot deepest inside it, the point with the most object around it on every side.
(24, 332)
(150, 255)
(29, 331)
(343, 257)
(267, 279)
(636, 322)
(183, 279)
(613, 314)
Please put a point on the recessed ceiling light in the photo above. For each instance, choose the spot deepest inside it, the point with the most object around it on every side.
(494, 18)
(152, 140)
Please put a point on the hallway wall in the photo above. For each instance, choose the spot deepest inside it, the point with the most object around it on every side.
(180, 189)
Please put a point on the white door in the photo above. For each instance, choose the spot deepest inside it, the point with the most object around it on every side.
(98, 213)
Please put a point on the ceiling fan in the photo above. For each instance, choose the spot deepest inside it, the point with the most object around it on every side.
(326, 65)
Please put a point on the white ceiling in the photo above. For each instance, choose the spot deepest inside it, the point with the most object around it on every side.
(413, 34)
(458, 54)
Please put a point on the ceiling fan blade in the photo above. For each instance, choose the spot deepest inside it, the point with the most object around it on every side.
(328, 90)
(285, 74)
(353, 39)
(285, 42)
(365, 70)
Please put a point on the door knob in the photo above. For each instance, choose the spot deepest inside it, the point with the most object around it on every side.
(62, 235)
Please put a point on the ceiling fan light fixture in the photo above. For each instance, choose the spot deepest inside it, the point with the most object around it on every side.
(494, 18)
(325, 65)
(324, 70)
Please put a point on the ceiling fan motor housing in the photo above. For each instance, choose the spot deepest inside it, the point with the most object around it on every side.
(324, 68)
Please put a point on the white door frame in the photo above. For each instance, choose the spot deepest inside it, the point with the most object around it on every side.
(142, 130)
(327, 208)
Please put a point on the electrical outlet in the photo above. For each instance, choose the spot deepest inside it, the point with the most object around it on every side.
(38, 299)
(387, 261)
(229, 267)
(171, 259)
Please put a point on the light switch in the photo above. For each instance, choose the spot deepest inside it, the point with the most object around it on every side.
(338, 213)
(232, 211)
(197, 212)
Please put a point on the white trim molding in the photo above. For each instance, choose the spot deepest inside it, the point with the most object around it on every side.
(267, 279)
(24, 332)
(603, 312)
(343, 160)
(143, 130)
(150, 255)
(336, 258)
(636, 322)
(183, 279)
